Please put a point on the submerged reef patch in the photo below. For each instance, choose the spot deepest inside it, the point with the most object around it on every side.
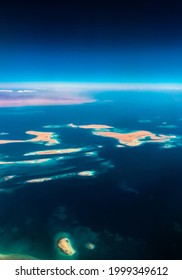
(16, 257)
(90, 246)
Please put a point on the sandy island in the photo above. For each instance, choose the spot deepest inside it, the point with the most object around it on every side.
(67, 175)
(32, 161)
(39, 180)
(48, 137)
(65, 246)
(86, 173)
(11, 141)
(134, 138)
(90, 126)
(128, 139)
(95, 126)
(55, 152)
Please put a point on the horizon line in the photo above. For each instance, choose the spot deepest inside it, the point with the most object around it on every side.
(91, 85)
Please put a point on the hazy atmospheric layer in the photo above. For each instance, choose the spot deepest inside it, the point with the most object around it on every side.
(37, 94)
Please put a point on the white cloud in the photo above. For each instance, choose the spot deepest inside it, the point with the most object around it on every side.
(6, 90)
(25, 90)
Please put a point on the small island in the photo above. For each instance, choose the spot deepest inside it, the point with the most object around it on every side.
(65, 246)
(39, 180)
(33, 161)
(86, 173)
(95, 126)
(11, 141)
(90, 126)
(48, 137)
(90, 246)
(55, 152)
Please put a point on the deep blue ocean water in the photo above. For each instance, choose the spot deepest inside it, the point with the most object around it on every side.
(131, 210)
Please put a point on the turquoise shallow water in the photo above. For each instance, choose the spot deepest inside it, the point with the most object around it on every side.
(130, 209)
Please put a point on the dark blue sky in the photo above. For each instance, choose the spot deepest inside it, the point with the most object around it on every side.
(133, 41)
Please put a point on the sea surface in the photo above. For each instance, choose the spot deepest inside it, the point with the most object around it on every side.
(131, 208)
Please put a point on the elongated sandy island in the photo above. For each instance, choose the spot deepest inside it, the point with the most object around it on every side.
(95, 126)
(90, 126)
(11, 141)
(32, 161)
(54, 152)
(39, 180)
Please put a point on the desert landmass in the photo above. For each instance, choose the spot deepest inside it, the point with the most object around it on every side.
(50, 98)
